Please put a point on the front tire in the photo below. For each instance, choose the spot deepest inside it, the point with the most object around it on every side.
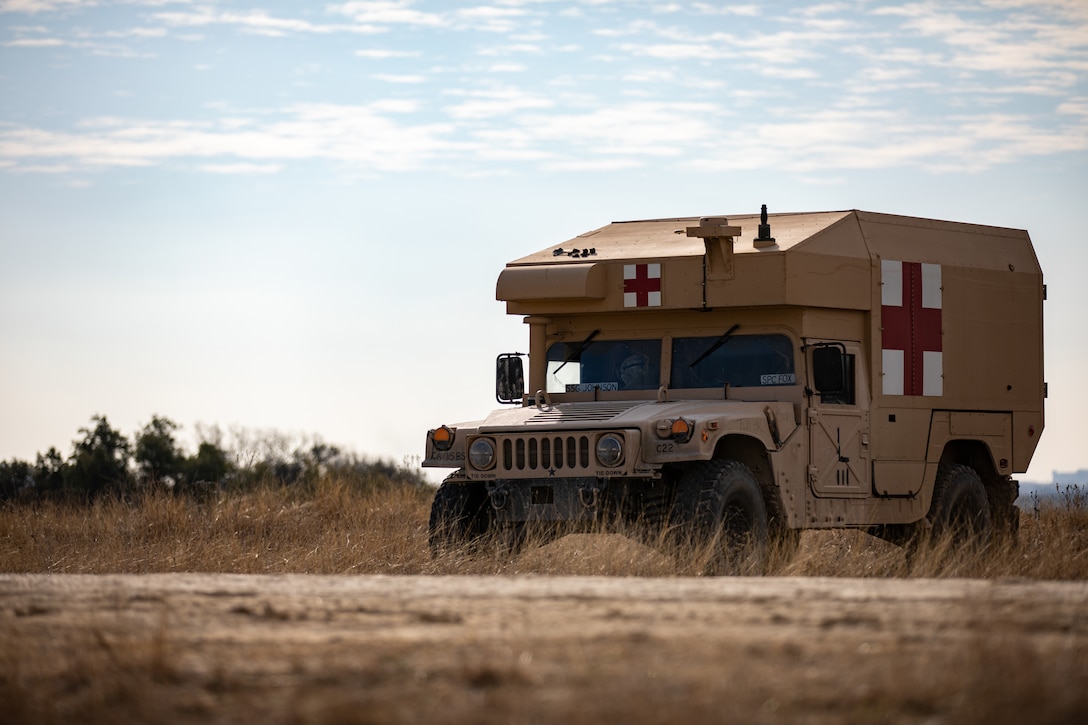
(719, 505)
(460, 516)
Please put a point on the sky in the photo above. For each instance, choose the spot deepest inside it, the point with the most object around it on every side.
(291, 216)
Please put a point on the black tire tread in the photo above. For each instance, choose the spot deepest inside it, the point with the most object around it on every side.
(704, 492)
(459, 515)
(960, 507)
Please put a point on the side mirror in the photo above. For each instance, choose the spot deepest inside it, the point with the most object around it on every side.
(509, 378)
(829, 370)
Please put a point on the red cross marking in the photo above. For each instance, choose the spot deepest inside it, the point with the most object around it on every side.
(641, 285)
(912, 328)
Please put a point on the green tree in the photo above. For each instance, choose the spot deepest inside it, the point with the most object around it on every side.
(49, 470)
(99, 462)
(15, 476)
(157, 455)
(209, 464)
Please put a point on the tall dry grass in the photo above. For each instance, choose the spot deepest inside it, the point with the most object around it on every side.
(339, 527)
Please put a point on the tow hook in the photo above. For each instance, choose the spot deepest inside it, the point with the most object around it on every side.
(590, 496)
(499, 498)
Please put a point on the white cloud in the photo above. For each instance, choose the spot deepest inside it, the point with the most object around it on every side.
(824, 9)
(382, 54)
(820, 180)
(134, 33)
(401, 78)
(716, 9)
(492, 103)
(46, 6)
(1075, 107)
(386, 12)
(633, 27)
(835, 85)
(507, 126)
(639, 128)
(40, 6)
(489, 18)
(257, 22)
(871, 139)
(35, 43)
(352, 135)
(1019, 44)
(511, 49)
(592, 164)
(675, 51)
(395, 105)
(241, 168)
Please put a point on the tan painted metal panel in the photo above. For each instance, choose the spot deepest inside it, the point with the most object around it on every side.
(979, 424)
(948, 243)
(898, 478)
(657, 238)
(553, 281)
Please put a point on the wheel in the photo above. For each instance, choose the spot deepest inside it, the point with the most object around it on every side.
(459, 515)
(719, 505)
(960, 508)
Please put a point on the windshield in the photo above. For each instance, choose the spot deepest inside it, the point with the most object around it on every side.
(741, 361)
(604, 365)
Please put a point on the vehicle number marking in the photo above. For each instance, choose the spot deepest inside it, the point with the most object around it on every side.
(590, 387)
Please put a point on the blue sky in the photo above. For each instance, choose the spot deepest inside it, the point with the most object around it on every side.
(285, 216)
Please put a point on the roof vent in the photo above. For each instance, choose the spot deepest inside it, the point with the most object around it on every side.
(764, 239)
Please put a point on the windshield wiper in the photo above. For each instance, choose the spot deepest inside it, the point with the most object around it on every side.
(578, 350)
(717, 343)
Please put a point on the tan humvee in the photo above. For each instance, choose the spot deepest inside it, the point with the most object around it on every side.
(756, 376)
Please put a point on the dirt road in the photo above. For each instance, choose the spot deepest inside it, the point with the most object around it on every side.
(278, 649)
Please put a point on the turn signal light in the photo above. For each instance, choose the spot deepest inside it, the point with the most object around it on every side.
(681, 430)
(442, 438)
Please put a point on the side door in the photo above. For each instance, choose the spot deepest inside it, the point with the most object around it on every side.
(838, 420)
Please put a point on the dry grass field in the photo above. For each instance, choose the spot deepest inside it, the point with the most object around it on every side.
(589, 628)
(339, 527)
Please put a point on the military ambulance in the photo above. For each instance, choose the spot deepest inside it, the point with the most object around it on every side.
(739, 379)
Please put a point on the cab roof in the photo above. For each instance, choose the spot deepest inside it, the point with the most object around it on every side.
(644, 239)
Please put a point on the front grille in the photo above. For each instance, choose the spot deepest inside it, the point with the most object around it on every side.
(545, 453)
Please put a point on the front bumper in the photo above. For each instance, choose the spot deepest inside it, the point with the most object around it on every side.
(571, 500)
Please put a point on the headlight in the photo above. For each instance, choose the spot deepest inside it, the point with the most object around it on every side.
(610, 450)
(481, 454)
(442, 438)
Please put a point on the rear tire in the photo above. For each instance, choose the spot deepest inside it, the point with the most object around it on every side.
(719, 505)
(960, 509)
(460, 516)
